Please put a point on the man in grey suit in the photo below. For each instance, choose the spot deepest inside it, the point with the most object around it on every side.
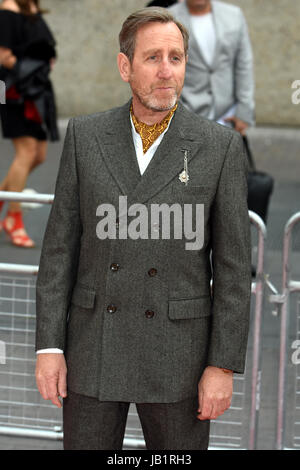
(132, 317)
(219, 81)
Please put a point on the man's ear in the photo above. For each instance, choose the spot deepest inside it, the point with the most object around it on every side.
(124, 66)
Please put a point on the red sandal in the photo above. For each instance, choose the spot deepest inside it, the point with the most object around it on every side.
(1, 207)
(14, 227)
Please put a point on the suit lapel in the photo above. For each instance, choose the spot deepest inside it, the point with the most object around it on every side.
(117, 148)
(185, 18)
(119, 154)
(218, 24)
(218, 31)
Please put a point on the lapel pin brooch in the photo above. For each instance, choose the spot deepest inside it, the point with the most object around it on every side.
(184, 176)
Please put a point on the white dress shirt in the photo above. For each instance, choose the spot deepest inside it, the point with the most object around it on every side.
(143, 161)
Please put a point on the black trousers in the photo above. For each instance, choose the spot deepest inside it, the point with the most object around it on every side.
(90, 424)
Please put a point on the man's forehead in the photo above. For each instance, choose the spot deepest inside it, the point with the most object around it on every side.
(161, 34)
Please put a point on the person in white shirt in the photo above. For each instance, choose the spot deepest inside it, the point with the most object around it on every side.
(219, 81)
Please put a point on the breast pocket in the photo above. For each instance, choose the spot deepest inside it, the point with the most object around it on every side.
(190, 193)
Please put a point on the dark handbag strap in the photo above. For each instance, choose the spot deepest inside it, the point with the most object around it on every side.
(249, 153)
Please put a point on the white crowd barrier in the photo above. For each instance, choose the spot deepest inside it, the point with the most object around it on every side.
(288, 303)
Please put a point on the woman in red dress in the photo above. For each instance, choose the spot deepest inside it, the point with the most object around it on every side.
(28, 122)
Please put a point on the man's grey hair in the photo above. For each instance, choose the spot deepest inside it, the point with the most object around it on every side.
(134, 21)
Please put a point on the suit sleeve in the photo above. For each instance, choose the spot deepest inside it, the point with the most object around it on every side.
(231, 262)
(244, 76)
(60, 252)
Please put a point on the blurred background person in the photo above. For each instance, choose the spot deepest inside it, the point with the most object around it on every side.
(27, 54)
(219, 81)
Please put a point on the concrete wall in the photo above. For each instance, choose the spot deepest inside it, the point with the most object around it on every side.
(274, 27)
(86, 78)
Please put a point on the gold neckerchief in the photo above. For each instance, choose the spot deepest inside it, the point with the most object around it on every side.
(150, 133)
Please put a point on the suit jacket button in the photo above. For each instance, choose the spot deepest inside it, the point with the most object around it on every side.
(114, 266)
(117, 222)
(152, 272)
(111, 308)
(149, 313)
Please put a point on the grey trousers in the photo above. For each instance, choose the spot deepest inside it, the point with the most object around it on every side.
(90, 424)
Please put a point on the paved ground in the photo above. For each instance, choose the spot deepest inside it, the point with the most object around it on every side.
(276, 151)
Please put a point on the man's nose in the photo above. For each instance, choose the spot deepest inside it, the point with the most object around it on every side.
(165, 70)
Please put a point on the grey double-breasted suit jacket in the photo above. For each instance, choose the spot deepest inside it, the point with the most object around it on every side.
(229, 79)
(136, 318)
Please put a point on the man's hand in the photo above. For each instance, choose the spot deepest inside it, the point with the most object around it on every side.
(51, 377)
(52, 63)
(238, 124)
(214, 392)
(7, 58)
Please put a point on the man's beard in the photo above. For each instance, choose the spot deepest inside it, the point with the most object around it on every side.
(155, 104)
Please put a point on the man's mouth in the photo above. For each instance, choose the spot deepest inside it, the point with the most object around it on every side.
(164, 88)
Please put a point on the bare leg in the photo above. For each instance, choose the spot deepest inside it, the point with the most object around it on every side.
(25, 155)
(42, 146)
(29, 154)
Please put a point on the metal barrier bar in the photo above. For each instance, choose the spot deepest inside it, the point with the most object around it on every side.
(258, 290)
(33, 433)
(22, 197)
(19, 268)
(131, 439)
(288, 286)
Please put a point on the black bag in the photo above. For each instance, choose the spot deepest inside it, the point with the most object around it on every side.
(260, 187)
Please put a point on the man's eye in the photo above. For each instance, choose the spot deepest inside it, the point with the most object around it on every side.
(152, 57)
(176, 59)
